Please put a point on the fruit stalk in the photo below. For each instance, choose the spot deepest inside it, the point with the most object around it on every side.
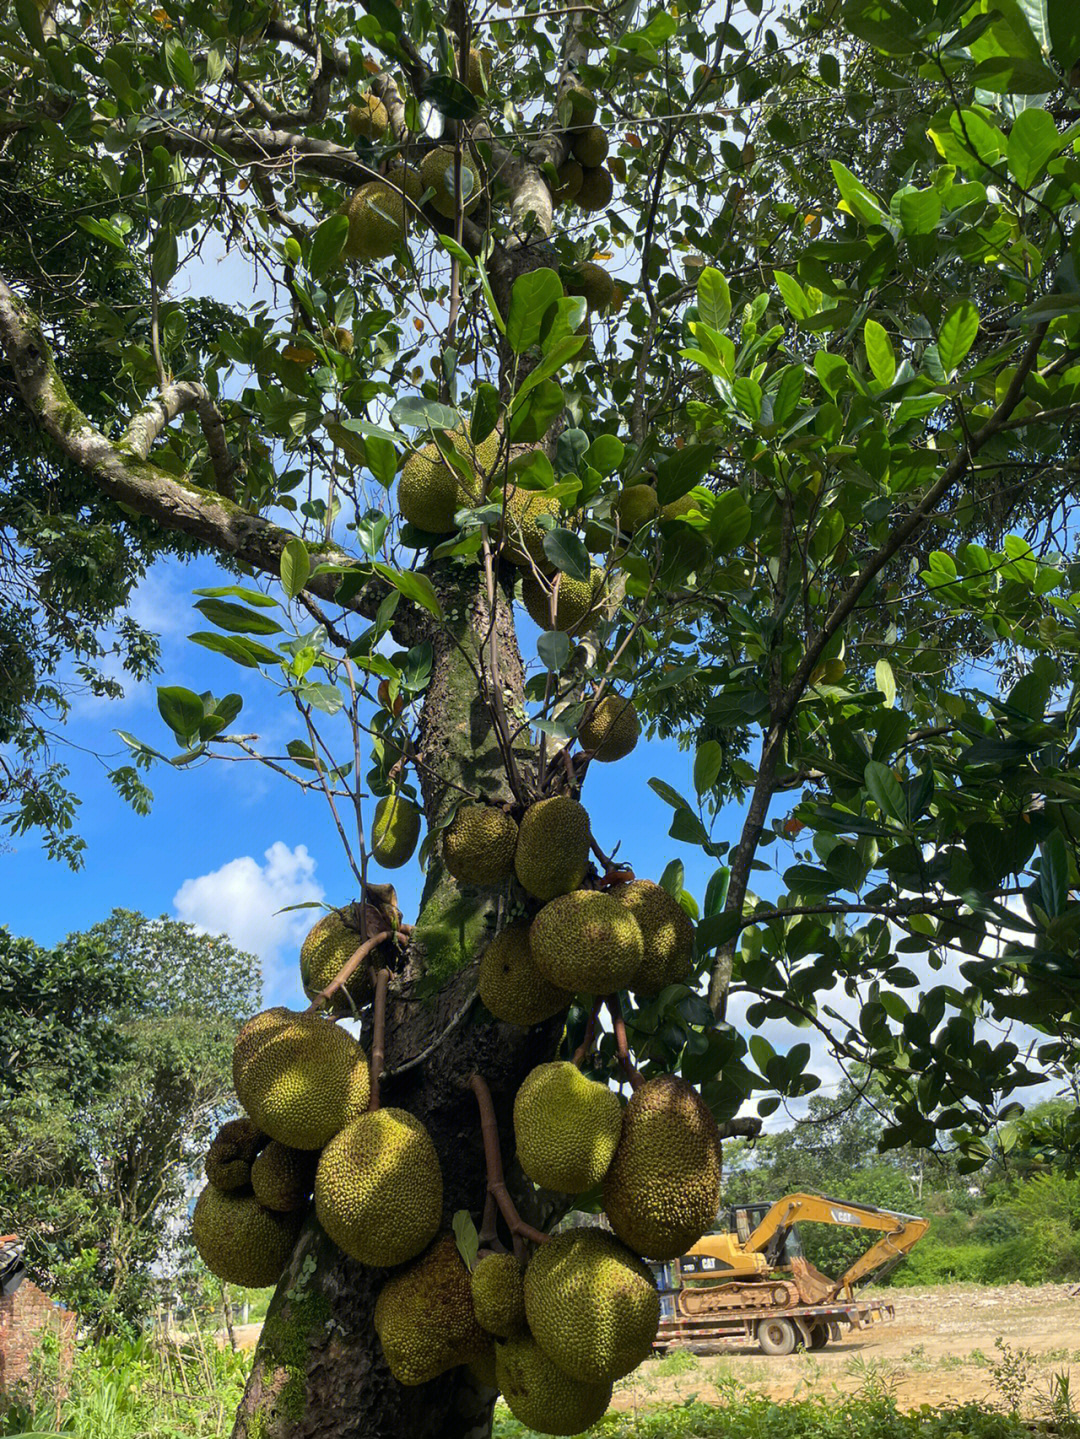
(349, 968)
(585, 1048)
(622, 1048)
(493, 1160)
(378, 1035)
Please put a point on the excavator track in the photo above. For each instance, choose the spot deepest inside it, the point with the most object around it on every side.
(695, 1301)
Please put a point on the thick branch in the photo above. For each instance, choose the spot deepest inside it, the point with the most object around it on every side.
(174, 400)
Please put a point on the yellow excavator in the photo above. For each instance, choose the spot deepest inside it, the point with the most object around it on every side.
(752, 1271)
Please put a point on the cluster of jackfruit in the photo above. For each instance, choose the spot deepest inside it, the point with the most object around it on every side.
(583, 178)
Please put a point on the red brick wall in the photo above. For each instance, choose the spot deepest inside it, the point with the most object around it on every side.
(25, 1317)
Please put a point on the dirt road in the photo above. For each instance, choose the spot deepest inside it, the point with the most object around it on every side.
(941, 1350)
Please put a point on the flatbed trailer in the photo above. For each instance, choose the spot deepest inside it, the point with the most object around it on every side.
(775, 1331)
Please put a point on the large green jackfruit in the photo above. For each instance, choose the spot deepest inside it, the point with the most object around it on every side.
(587, 942)
(611, 730)
(592, 282)
(376, 215)
(591, 146)
(592, 1306)
(379, 1188)
(566, 1127)
(524, 532)
(540, 1395)
(478, 845)
(232, 1152)
(394, 831)
(582, 103)
(430, 492)
(405, 178)
(662, 1190)
(239, 1240)
(574, 601)
(437, 171)
(283, 1178)
(635, 506)
(510, 984)
(499, 1295)
(570, 178)
(424, 1316)
(552, 854)
(300, 1076)
(326, 949)
(667, 931)
(596, 189)
(368, 116)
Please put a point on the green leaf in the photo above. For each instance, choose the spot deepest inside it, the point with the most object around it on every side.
(713, 298)
(673, 877)
(533, 295)
(326, 244)
(707, 765)
(237, 592)
(793, 295)
(534, 415)
(1063, 23)
(879, 353)
(920, 211)
(29, 17)
(181, 709)
(248, 653)
(466, 1237)
(856, 199)
(1053, 884)
(567, 553)
(957, 335)
(295, 567)
(680, 472)
(325, 698)
(717, 929)
(605, 454)
(716, 891)
(886, 681)
(237, 619)
(884, 789)
(414, 586)
(178, 63)
(485, 412)
(416, 411)
(1033, 140)
(553, 647)
(164, 257)
(668, 794)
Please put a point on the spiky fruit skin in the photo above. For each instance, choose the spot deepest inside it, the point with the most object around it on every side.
(635, 506)
(299, 1076)
(667, 931)
(510, 984)
(498, 1295)
(552, 852)
(326, 948)
(571, 175)
(596, 190)
(282, 1178)
(231, 1154)
(482, 1368)
(524, 532)
(586, 942)
(430, 492)
(592, 282)
(379, 1188)
(582, 103)
(376, 216)
(572, 603)
(662, 1190)
(680, 507)
(394, 831)
(591, 147)
(611, 731)
(478, 845)
(566, 1127)
(424, 1317)
(368, 117)
(404, 178)
(239, 1240)
(592, 1306)
(437, 173)
(479, 72)
(540, 1395)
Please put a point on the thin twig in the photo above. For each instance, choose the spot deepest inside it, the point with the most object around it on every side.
(378, 1035)
(585, 1048)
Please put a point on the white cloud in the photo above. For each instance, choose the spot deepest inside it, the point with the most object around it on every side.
(241, 900)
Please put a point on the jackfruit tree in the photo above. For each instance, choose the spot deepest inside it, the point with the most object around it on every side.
(608, 373)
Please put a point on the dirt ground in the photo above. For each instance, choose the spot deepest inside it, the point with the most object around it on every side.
(942, 1349)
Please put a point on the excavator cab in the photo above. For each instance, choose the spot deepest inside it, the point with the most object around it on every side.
(742, 1219)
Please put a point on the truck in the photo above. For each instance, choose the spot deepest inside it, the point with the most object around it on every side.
(749, 1281)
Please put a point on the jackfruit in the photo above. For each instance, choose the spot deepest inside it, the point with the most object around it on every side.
(582, 103)
(478, 845)
(591, 147)
(574, 601)
(677, 509)
(437, 173)
(668, 933)
(325, 950)
(510, 984)
(482, 1368)
(406, 179)
(552, 852)
(566, 1127)
(611, 730)
(299, 1076)
(430, 492)
(239, 1240)
(424, 1316)
(368, 117)
(586, 942)
(596, 189)
(231, 1154)
(499, 1295)
(540, 1395)
(394, 831)
(662, 1190)
(379, 1188)
(283, 1178)
(592, 282)
(479, 72)
(376, 221)
(635, 506)
(524, 532)
(570, 177)
(592, 1306)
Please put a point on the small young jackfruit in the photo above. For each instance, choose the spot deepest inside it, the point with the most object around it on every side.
(394, 831)
(376, 216)
(437, 172)
(478, 845)
(592, 282)
(430, 493)
(552, 852)
(635, 506)
(611, 731)
(479, 72)
(566, 1127)
(510, 984)
(239, 1240)
(283, 1178)
(582, 103)
(368, 117)
(591, 147)
(596, 190)
(540, 1395)
(231, 1154)
(570, 177)
(592, 1306)
(299, 1076)
(668, 933)
(587, 942)
(379, 1188)
(325, 950)
(574, 601)
(499, 1295)
(404, 178)
(424, 1316)
(662, 1190)
(524, 532)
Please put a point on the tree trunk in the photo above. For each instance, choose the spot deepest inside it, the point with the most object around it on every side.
(319, 1369)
